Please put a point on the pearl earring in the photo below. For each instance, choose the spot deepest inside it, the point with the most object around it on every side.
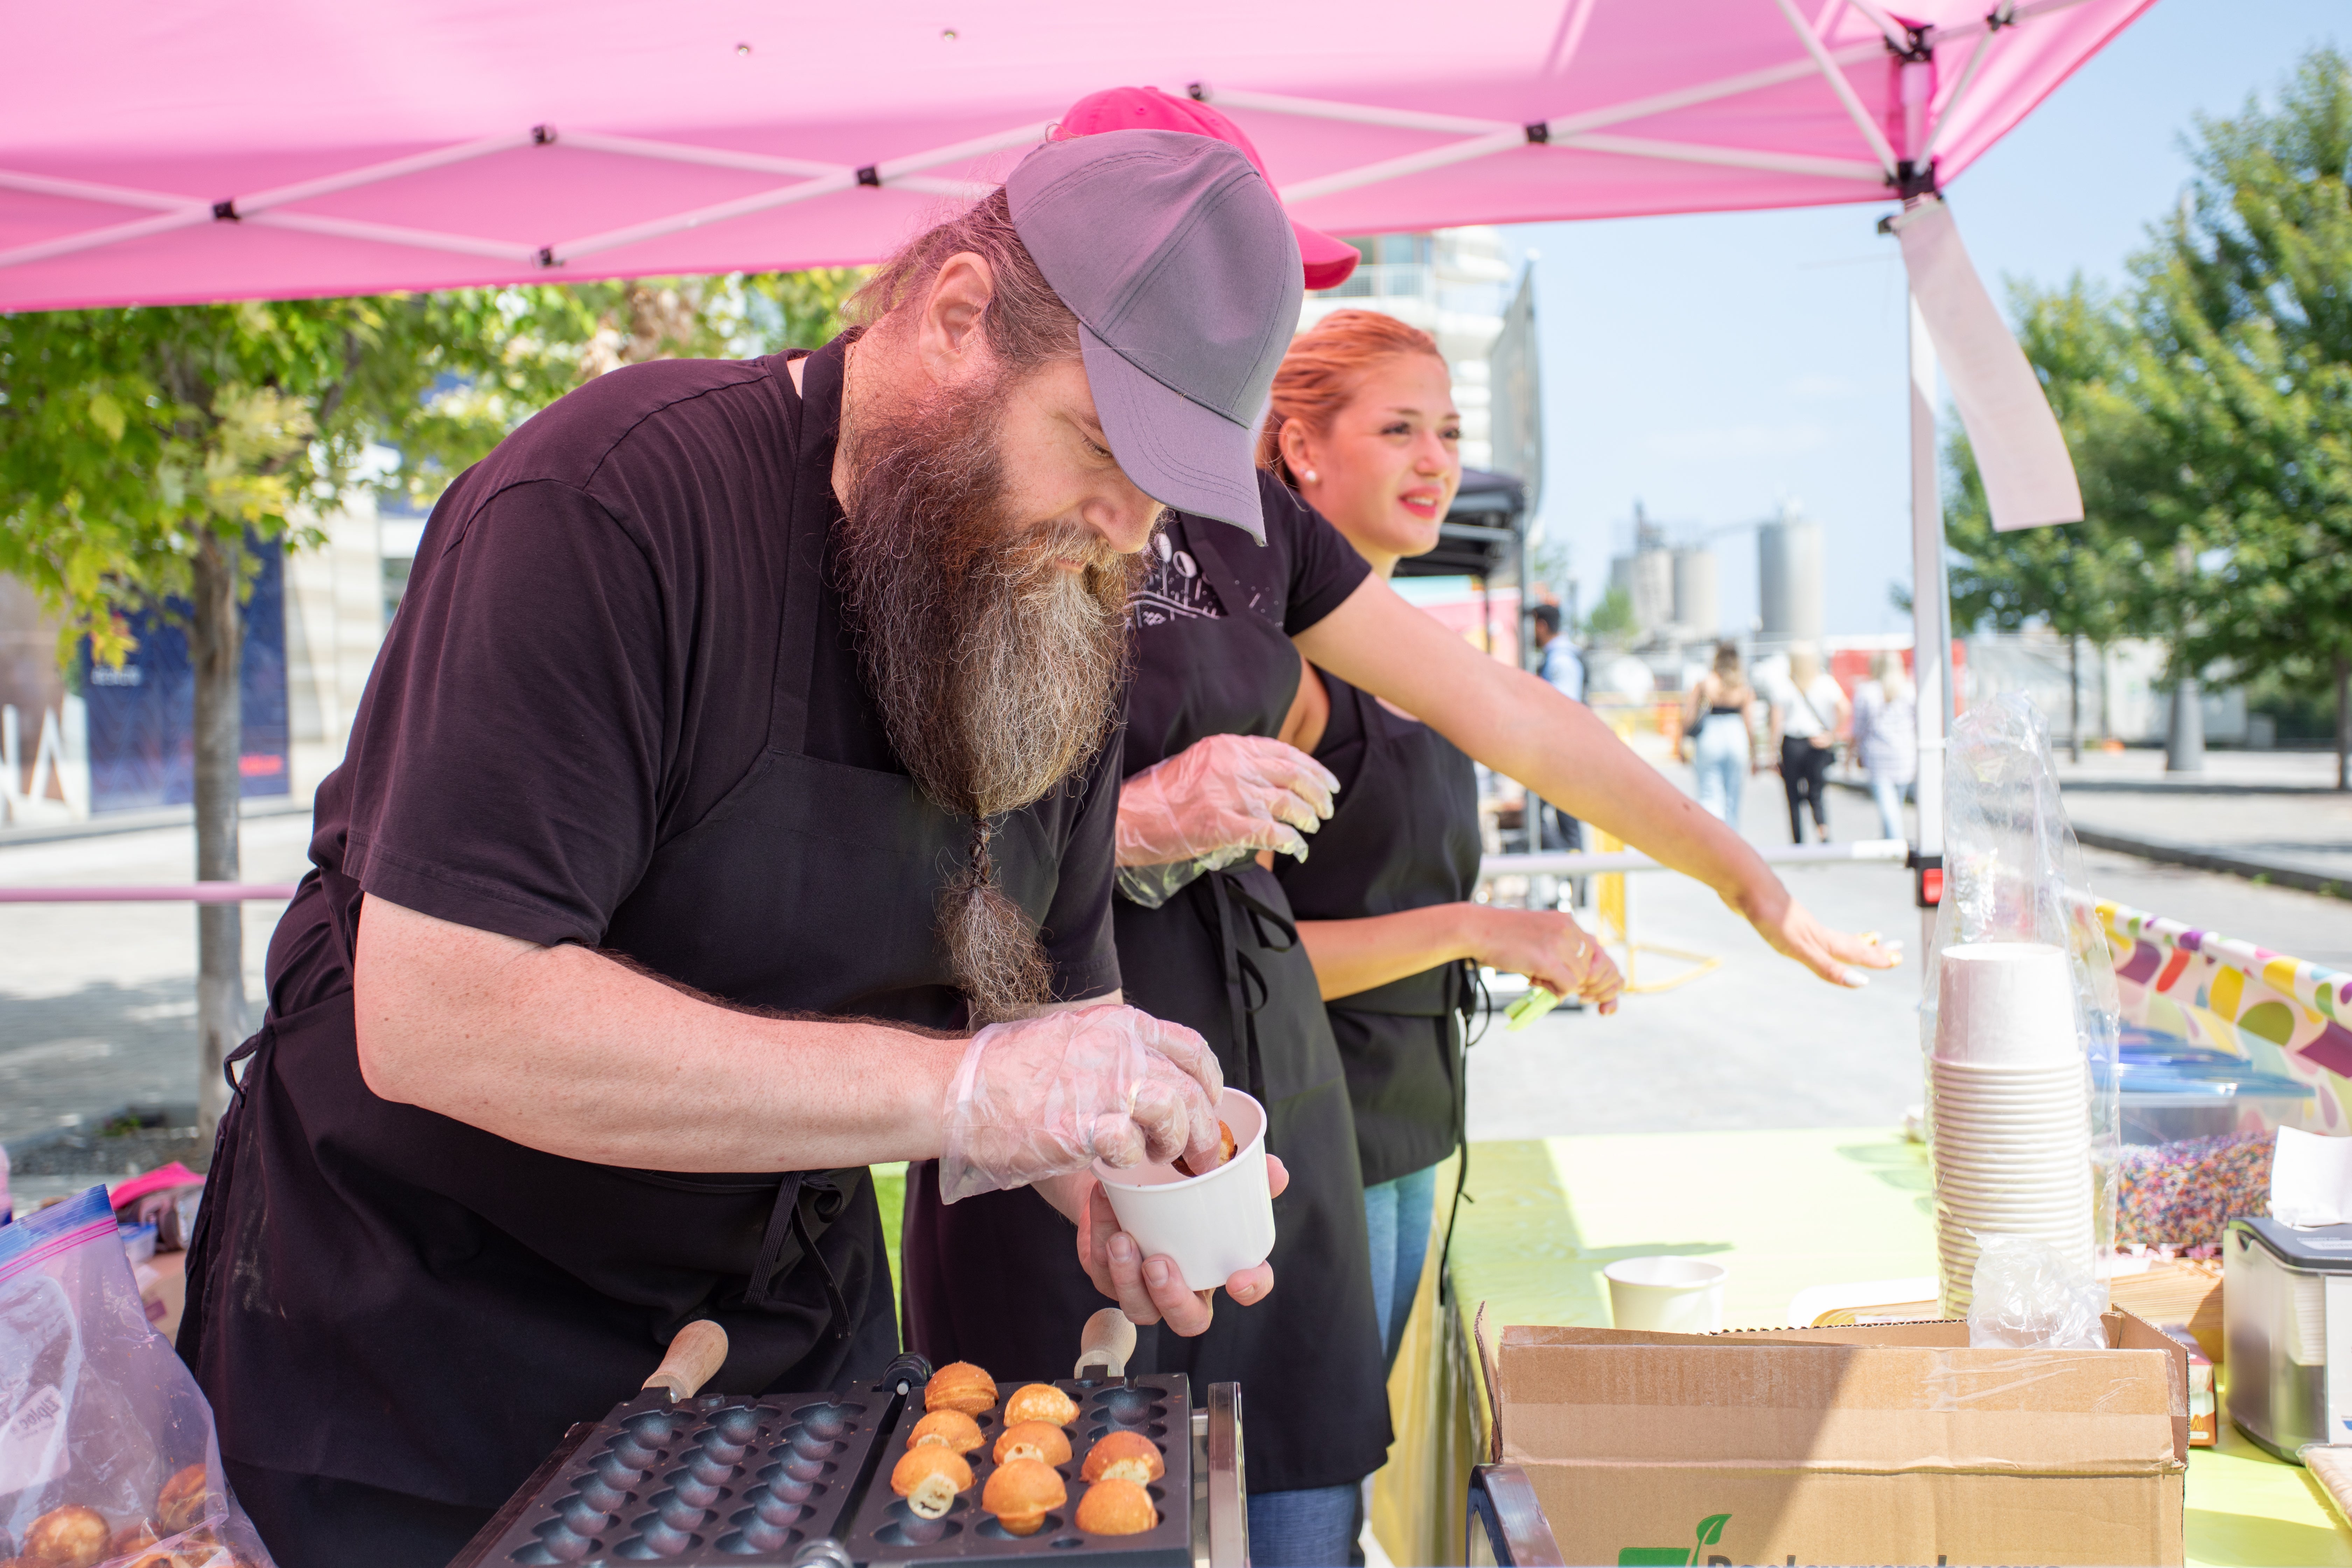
(1308, 476)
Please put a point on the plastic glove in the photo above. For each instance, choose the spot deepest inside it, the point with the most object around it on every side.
(1218, 801)
(1045, 1096)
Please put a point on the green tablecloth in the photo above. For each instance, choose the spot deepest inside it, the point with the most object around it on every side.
(1784, 1211)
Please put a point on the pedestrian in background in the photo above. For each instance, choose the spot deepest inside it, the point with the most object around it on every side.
(1808, 710)
(1562, 663)
(1887, 738)
(1718, 719)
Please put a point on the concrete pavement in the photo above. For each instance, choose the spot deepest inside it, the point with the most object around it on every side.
(97, 1002)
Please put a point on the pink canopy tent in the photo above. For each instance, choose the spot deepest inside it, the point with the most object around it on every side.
(218, 149)
(214, 148)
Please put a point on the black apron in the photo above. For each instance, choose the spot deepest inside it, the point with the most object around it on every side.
(1222, 957)
(382, 1295)
(1403, 834)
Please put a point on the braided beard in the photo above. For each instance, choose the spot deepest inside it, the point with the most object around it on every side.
(996, 671)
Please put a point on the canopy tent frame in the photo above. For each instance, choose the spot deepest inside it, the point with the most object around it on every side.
(1581, 132)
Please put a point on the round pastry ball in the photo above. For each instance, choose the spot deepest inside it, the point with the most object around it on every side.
(1117, 1508)
(68, 1536)
(1127, 1456)
(1226, 1147)
(132, 1538)
(949, 1429)
(184, 1501)
(960, 1385)
(1020, 1492)
(1040, 1402)
(1032, 1440)
(929, 1478)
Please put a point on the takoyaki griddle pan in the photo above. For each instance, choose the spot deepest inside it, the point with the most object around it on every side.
(1160, 1406)
(671, 1476)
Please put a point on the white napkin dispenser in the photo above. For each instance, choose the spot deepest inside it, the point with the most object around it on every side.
(2286, 1319)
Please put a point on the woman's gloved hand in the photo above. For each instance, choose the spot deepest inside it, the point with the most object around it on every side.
(1046, 1096)
(1218, 801)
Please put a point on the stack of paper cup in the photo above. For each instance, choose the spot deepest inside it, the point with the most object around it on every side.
(2012, 1114)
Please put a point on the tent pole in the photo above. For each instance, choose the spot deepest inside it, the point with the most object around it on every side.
(1931, 636)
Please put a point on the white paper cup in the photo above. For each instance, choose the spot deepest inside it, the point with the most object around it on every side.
(2005, 1003)
(1213, 1226)
(1666, 1295)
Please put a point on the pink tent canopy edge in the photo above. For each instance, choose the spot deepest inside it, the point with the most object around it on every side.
(223, 149)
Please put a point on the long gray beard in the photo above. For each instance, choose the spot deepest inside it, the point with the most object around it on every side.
(997, 672)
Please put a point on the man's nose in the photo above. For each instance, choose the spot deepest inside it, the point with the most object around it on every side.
(1123, 517)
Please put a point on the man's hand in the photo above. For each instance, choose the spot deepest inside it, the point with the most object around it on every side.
(1228, 795)
(1048, 1096)
(1792, 931)
(1150, 1290)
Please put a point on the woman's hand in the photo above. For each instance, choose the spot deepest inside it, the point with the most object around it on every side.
(1150, 1289)
(1548, 947)
(1794, 932)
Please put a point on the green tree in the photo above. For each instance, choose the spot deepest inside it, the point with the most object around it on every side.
(140, 448)
(2246, 312)
(1611, 620)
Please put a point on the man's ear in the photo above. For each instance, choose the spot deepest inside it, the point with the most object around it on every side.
(948, 334)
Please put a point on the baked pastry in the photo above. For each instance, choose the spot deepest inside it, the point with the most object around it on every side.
(68, 1536)
(1226, 1147)
(132, 1538)
(1124, 1456)
(1032, 1440)
(1021, 1492)
(949, 1429)
(1040, 1402)
(960, 1385)
(929, 1478)
(1117, 1508)
(184, 1501)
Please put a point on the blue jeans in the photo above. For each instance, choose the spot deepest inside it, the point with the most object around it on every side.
(1889, 797)
(1315, 1528)
(1720, 755)
(1397, 1215)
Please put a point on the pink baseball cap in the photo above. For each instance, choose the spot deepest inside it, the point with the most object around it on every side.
(1328, 261)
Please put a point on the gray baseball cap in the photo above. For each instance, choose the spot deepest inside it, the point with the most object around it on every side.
(1183, 272)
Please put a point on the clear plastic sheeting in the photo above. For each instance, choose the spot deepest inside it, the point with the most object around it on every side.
(2013, 874)
(2029, 1296)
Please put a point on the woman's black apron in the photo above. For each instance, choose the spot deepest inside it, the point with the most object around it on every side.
(382, 1295)
(1403, 836)
(995, 1279)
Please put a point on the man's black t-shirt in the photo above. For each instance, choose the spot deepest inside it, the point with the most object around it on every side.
(584, 665)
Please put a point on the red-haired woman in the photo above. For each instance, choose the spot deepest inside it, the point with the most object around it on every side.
(1363, 426)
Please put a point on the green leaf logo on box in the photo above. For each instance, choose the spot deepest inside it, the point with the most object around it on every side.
(1710, 1531)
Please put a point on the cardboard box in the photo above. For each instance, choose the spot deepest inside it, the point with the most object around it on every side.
(1878, 1444)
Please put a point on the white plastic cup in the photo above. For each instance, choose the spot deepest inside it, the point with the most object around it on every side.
(2005, 1004)
(1666, 1295)
(1212, 1226)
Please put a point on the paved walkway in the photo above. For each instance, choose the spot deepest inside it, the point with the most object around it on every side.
(96, 1001)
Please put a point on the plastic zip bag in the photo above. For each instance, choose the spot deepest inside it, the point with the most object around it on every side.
(2029, 1296)
(107, 1448)
(2013, 872)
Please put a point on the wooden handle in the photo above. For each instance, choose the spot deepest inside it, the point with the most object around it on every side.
(694, 1357)
(1105, 1345)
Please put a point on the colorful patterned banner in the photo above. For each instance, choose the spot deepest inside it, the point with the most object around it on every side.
(2279, 1013)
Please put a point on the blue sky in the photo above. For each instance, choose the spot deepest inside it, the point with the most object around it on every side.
(1711, 365)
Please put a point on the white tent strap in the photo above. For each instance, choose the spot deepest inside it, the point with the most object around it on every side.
(1834, 74)
(88, 191)
(1731, 157)
(181, 212)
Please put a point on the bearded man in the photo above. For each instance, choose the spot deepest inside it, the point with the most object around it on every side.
(740, 749)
